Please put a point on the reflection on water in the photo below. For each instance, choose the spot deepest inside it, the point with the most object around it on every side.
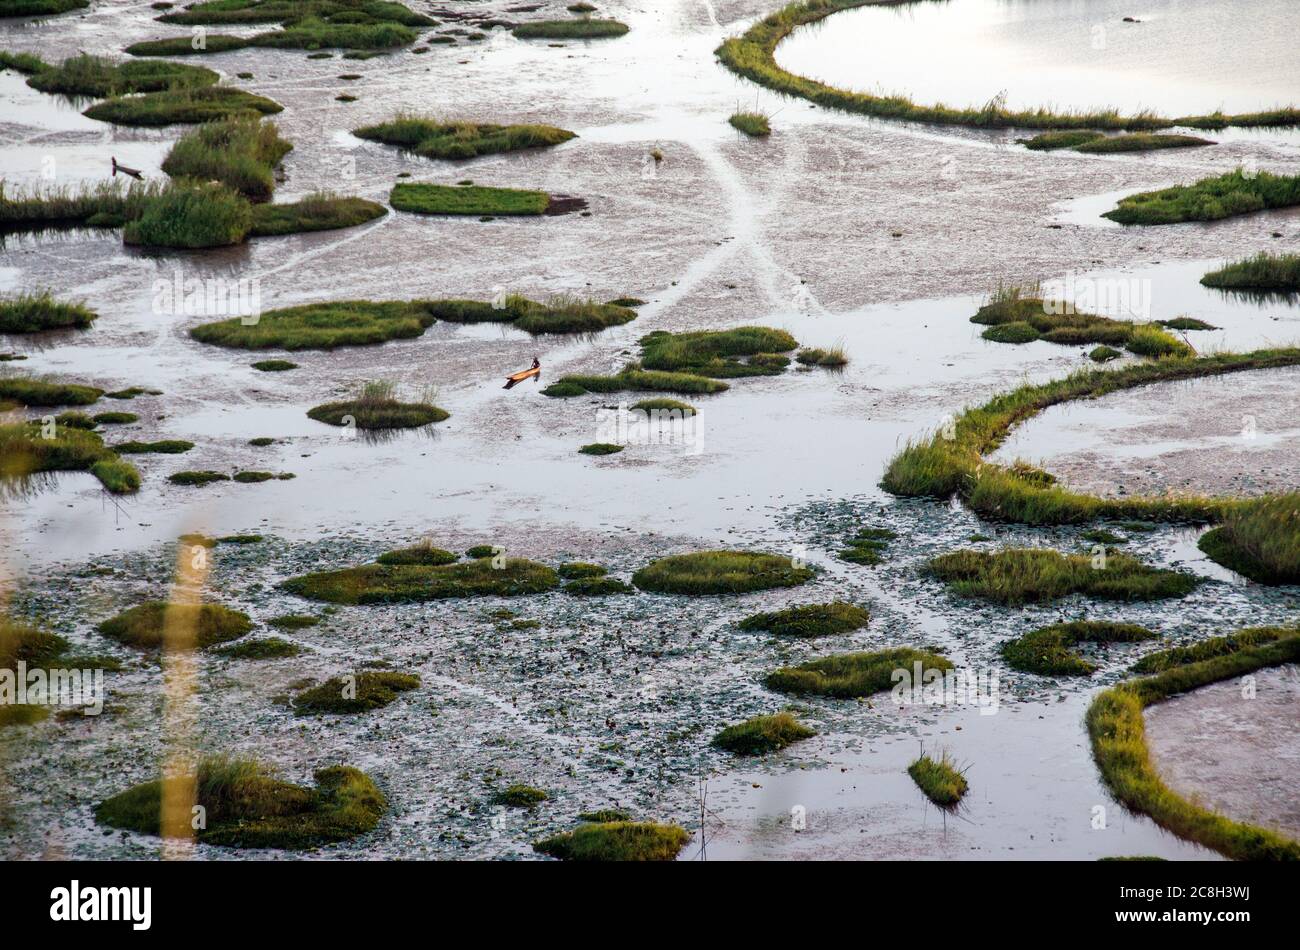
(1064, 54)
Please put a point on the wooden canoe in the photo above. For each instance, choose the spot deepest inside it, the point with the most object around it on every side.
(519, 377)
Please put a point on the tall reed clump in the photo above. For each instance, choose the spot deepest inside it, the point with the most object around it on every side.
(191, 215)
(1118, 735)
(951, 461)
(1279, 273)
(241, 153)
(752, 55)
(1260, 539)
(34, 312)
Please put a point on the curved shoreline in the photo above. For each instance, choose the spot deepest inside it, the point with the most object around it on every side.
(952, 461)
(1117, 734)
(753, 56)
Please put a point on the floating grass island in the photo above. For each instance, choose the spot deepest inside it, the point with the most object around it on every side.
(39, 312)
(245, 12)
(951, 462)
(1268, 273)
(600, 448)
(247, 807)
(583, 28)
(376, 408)
(263, 648)
(145, 625)
(853, 675)
(1118, 735)
(14, 8)
(322, 326)
(98, 76)
(809, 620)
(429, 198)
(940, 780)
(413, 583)
(1018, 314)
(424, 553)
(241, 153)
(1098, 143)
(1211, 649)
(1260, 539)
(752, 55)
(1047, 650)
(184, 105)
(597, 587)
(1210, 199)
(434, 138)
(308, 33)
(1015, 576)
(720, 572)
(690, 363)
(762, 734)
(522, 796)
(25, 451)
(753, 124)
(358, 693)
(616, 841)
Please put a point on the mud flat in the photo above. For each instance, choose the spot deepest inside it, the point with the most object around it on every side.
(1233, 755)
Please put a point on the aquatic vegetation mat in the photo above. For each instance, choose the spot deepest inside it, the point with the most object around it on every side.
(1210, 199)
(1259, 539)
(616, 841)
(580, 29)
(356, 693)
(809, 620)
(184, 105)
(428, 198)
(1118, 735)
(762, 734)
(1048, 650)
(98, 76)
(720, 572)
(753, 124)
(939, 779)
(241, 153)
(852, 675)
(38, 312)
(1015, 576)
(25, 451)
(410, 583)
(148, 625)
(246, 807)
(322, 326)
(432, 138)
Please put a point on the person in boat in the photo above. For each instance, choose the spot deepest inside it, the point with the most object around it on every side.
(534, 371)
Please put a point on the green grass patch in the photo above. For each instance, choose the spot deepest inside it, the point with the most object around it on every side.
(320, 326)
(322, 211)
(716, 354)
(382, 583)
(832, 357)
(197, 477)
(1015, 576)
(1118, 735)
(616, 841)
(636, 380)
(184, 105)
(809, 620)
(1210, 649)
(98, 76)
(249, 478)
(581, 29)
(432, 138)
(376, 408)
(145, 625)
(1210, 199)
(1140, 142)
(1068, 138)
(162, 447)
(356, 693)
(37, 312)
(522, 796)
(35, 392)
(114, 418)
(273, 366)
(429, 198)
(191, 215)
(424, 553)
(1276, 273)
(868, 546)
(1259, 539)
(851, 675)
(1017, 315)
(940, 780)
(241, 153)
(605, 815)
(720, 572)
(246, 807)
(665, 406)
(752, 55)
(601, 448)
(1048, 650)
(22, 714)
(246, 12)
(262, 648)
(307, 33)
(16, 8)
(762, 734)
(753, 124)
(951, 462)
(1104, 354)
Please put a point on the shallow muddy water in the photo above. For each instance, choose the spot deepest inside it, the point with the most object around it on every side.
(1183, 57)
(883, 238)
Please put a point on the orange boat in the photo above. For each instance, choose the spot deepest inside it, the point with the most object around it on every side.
(534, 372)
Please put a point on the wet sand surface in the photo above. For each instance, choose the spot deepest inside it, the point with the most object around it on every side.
(1232, 752)
(880, 236)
